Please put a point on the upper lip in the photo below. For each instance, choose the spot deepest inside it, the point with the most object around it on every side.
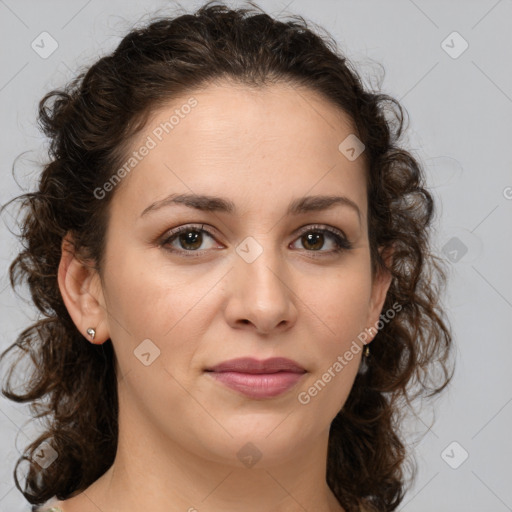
(251, 365)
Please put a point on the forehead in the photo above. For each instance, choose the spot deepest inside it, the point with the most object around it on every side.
(245, 140)
(228, 111)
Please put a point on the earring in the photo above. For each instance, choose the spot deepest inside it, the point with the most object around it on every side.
(91, 332)
(364, 364)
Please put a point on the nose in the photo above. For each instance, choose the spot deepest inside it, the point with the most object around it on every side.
(261, 296)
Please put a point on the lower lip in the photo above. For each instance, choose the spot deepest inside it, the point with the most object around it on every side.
(261, 385)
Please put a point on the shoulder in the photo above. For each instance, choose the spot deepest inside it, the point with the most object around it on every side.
(49, 506)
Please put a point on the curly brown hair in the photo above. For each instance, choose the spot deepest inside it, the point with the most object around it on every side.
(90, 123)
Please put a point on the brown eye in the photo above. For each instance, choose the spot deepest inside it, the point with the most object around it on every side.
(315, 238)
(190, 239)
(187, 239)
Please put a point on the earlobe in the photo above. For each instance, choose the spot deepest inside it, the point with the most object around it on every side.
(81, 292)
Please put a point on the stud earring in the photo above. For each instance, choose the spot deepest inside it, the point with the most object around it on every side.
(366, 352)
(91, 332)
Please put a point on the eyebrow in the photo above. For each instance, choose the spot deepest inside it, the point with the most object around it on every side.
(219, 204)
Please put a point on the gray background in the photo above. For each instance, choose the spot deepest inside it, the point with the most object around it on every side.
(460, 109)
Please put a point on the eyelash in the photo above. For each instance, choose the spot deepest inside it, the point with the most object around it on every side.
(342, 244)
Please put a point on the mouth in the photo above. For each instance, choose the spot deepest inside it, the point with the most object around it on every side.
(258, 379)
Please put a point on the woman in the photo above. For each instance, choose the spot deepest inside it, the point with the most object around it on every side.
(226, 223)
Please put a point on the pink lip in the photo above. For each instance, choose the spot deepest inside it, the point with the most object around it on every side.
(258, 379)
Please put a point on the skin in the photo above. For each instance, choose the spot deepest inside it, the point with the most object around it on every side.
(179, 429)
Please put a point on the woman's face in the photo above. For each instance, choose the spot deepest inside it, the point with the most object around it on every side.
(253, 280)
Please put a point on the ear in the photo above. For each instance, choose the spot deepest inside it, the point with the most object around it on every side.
(380, 288)
(81, 290)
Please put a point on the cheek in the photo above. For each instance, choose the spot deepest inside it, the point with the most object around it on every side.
(148, 297)
(152, 330)
(152, 301)
(138, 305)
(342, 303)
(342, 306)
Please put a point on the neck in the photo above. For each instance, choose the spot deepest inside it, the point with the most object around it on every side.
(151, 472)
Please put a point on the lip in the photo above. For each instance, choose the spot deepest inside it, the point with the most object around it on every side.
(258, 379)
(255, 366)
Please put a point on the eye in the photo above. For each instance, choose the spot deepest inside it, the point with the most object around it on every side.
(190, 238)
(314, 238)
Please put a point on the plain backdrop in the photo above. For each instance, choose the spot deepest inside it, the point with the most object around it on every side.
(449, 63)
